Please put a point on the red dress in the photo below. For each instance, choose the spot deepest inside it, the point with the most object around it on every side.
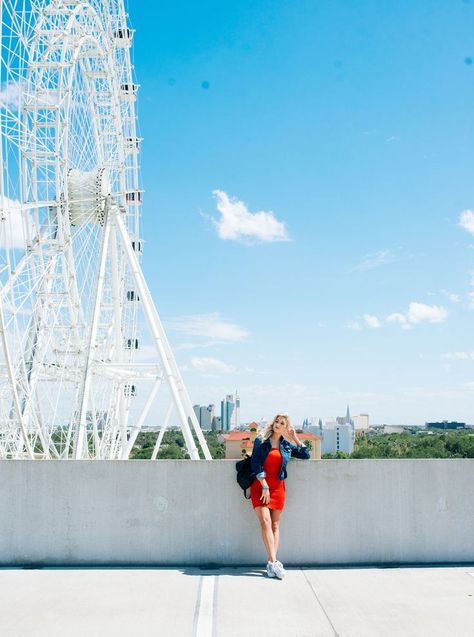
(271, 466)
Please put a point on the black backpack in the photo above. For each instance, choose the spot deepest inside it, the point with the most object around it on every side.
(245, 476)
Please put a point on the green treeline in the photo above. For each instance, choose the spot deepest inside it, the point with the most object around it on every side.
(452, 444)
(445, 444)
(172, 446)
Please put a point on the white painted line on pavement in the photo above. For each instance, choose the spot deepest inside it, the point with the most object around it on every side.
(205, 607)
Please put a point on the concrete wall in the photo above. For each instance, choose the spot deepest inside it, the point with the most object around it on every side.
(172, 512)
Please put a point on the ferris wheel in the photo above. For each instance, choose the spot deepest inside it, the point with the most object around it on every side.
(76, 313)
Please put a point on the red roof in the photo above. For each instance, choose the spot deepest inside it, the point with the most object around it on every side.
(308, 436)
(236, 435)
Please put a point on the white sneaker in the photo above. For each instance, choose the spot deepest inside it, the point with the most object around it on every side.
(270, 572)
(278, 569)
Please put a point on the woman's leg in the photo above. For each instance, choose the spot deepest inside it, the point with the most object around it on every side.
(275, 515)
(263, 515)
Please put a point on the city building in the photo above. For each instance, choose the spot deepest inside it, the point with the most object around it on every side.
(205, 415)
(237, 410)
(313, 425)
(216, 423)
(394, 429)
(237, 443)
(338, 434)
(345, 420)
(315, 442)
(361, 422)
(228, 406)
(445, 425)
(337, 437)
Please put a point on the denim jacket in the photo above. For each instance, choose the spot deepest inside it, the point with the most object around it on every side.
(262, 449)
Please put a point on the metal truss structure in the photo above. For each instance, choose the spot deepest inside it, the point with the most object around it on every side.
(75, 309)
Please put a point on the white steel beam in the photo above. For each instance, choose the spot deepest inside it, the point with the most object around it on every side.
(81, 432)
(164, 427)
(170, 367)
(13, 384)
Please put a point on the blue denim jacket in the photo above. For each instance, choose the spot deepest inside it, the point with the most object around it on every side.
(262, 449)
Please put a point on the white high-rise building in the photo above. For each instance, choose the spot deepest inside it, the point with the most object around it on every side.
(338, 434)
(237, 410)
(227, 409)
(337, 437)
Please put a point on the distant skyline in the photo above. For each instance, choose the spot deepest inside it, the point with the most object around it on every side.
(308, 209)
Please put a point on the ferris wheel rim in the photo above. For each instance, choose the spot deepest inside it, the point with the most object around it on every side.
(94, 43)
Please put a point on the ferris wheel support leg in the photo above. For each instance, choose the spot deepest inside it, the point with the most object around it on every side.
(30, 406)
(122, 406)
(178, 391)
(162, 431)
(95, 432)
(81, 435)
(11, 378)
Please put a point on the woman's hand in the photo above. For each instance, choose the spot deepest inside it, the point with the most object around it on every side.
(265, 497)
(291, 434)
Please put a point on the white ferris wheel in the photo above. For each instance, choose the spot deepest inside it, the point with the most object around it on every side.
(75, 309)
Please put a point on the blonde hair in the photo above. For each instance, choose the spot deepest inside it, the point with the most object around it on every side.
(269, 429)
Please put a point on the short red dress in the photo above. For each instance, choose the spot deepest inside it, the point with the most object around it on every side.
(271, 466)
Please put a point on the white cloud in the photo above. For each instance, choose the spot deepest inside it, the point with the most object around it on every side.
(10, 96)
(419, 312)
(466, 220)
(211, 366)
(459, 356)
(374, 260)
(397, 317)
(353, 325)
(209, 326)
(470, 304)
(11, 224)
(454, 298)
(237, 222)
(372, 321)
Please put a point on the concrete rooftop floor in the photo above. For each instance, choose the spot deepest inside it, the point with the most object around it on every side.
(223, 602)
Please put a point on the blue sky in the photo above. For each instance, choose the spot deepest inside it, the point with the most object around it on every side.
(349, 127)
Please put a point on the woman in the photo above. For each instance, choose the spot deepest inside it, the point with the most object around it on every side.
(270, 455)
